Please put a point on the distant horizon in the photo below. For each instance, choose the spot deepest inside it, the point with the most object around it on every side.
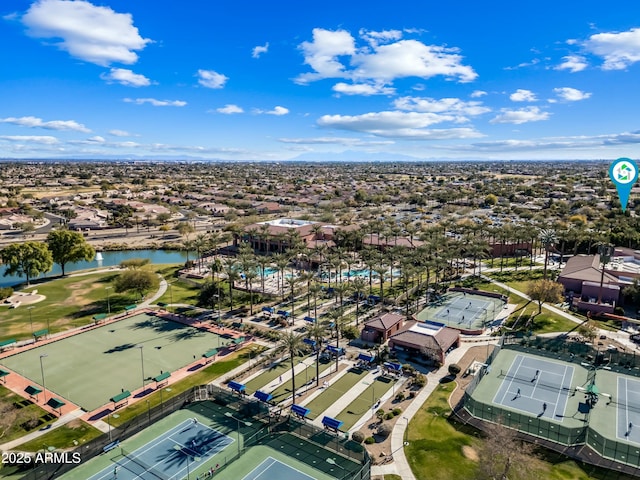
(225, 81)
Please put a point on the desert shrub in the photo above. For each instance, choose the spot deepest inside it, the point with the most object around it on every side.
(369, 440)
(454, 369)
(388, 416)
(399, 396)
(396, 411)
(420, 380)
(384, 430)
(5, 292)
(357, 437)
(619, 311)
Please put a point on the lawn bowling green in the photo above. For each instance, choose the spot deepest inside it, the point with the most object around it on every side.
(91, 367)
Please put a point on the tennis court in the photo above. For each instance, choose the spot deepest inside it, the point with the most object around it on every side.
(271, 469)
(462, 310)
(184, 448)
(628, 411)
(537, 386)
(108, 360)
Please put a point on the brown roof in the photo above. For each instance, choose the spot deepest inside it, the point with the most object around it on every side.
(385, 321)
(442, 340)
(585, 268)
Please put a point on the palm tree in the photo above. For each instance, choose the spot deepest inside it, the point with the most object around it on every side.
(291, 343)
(314, 289)
(317, 332)
(337, 317)
(380, 270)
(292, 281)
(231, 270)
(547, 238)
(199, 243)
(358, 284)
(249, 277)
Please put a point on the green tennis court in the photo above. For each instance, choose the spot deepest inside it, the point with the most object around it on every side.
(91, 367)
(463, 311)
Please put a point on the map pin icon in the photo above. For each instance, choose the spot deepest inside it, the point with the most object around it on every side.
(623, 173)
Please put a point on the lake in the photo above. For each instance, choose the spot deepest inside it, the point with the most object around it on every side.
(109, 259)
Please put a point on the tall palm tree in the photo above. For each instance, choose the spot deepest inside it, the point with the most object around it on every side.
(547, 238)
(249, 277)
(291, 343)
(380, 270)
(292, 282)
(231, 270)
(317, 332)
(358, 284)
(337, 316)
(314, 289)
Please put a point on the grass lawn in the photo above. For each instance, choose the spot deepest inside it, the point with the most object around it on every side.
(337, 388)
(362, 405)
(435, 446)
(201, 377)
(73, 433)
(70, 302)
(29, 416)
(306, 375)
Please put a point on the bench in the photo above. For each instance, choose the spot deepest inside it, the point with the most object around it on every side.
(110, 446)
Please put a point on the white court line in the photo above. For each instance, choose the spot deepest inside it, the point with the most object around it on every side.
(250, 474)
(555, 413)
(626, 403)
(510, 383)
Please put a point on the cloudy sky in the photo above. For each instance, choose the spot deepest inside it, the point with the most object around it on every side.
(248, 80)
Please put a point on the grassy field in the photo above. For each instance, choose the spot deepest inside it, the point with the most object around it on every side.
(70, 302)
(30, 416)
(337, 388)
(436, 445)
(73, 433)
(363, 403)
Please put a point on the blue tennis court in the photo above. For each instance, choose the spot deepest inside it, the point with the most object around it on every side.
(272, 469)
(536, 386)
(628, 411)
(170, 456)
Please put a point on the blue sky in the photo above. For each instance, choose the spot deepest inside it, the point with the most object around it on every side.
(337, 80)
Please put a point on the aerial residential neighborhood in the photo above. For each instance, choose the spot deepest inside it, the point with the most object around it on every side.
(319, 241)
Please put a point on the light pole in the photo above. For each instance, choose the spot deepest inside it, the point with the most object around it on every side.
(248, 424)
(108, 300)
(142, 365)
(373, 395)
(115, 415)
(44, 387)
(31, 318)
(170, 294)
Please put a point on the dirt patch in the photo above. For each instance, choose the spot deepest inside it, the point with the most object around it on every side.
(474, 353)
(470, 453)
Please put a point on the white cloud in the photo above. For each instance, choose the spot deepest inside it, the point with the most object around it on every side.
(522, 95)
(88, 32)
(35, 122)
(211, 79)
(523, 115)
(119, 133)
(39, 139)
(156, 103)
(619, 50)
(408, 125)
(355, 142)
(321, 54)
(362, 89)
(375, 38)
(453, 106)
(571, 94)
(96, 139)
(230, 109)
(573, 63)
(410, 58)
(277, 110)
(378, 63)
(126, 77)
(259, 50)
(478, 93)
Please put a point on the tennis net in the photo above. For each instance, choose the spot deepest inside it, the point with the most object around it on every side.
(146, 468)
(534, 380)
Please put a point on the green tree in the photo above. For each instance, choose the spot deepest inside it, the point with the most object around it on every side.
(140, 281)
(545, 291)
(68, 246)
(27, 259)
